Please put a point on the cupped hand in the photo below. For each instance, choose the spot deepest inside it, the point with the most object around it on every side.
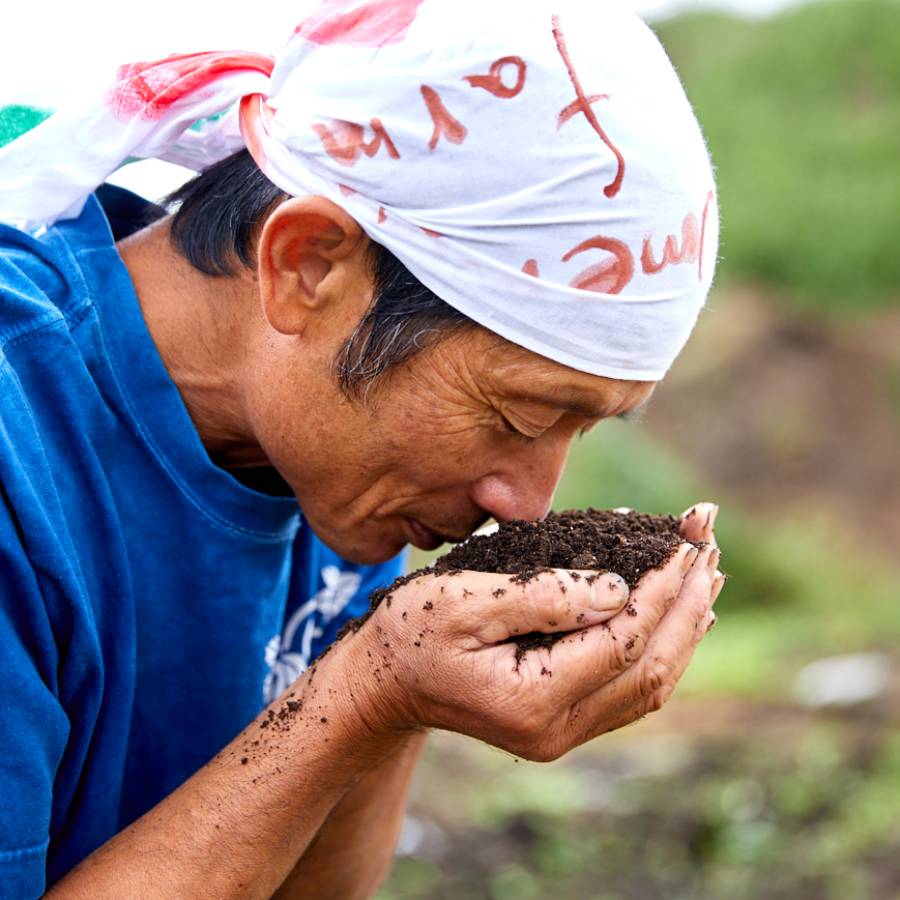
(442, 652)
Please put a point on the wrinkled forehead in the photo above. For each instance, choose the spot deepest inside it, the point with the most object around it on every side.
(505, 371)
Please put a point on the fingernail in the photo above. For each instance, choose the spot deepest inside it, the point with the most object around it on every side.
(689, 559)
(713, 562)
(712, 622)
(717, 586)
(608, 593)
(711, 518)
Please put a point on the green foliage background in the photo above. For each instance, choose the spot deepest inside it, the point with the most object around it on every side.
(802, 115)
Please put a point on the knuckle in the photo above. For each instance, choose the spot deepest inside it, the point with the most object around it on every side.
(657, 700)
(452, 589)
(549, 597)
(625, 649)
(656, 676)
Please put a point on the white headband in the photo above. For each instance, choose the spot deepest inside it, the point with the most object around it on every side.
(537, 165)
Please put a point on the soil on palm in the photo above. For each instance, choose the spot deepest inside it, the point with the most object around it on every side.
(629, 544)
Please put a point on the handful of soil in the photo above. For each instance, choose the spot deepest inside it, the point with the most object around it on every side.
(628, 544)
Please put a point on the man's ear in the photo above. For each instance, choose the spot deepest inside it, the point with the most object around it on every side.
(302, 248)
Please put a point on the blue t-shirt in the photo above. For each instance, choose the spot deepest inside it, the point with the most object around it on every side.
(150, 603)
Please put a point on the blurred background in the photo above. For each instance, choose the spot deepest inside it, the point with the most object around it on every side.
(774, 772)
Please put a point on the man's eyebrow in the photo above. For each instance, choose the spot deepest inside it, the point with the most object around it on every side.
(575, 403)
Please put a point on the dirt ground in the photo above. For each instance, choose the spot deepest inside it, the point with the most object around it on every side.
(707, 800)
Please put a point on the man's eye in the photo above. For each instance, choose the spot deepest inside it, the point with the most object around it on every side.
(508, 426)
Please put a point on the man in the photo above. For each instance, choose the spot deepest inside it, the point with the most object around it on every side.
(416, 266)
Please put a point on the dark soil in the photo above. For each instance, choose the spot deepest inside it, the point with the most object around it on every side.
(628, 544)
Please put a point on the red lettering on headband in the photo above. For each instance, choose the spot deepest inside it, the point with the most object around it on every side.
(612, 275)
(432, 234)
(149, 89)
(574, 108)
(672, 254)
(382, 215)
(346, 190)
(444, 121)
(372, 24)
(583, 105)
(493, 82)
(531, 268)
(346, 140)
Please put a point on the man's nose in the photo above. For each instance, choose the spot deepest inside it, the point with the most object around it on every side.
(523, 488)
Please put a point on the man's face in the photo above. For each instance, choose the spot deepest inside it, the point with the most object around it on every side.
(471, 428)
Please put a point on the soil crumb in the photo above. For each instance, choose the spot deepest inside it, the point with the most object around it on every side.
(628, 544)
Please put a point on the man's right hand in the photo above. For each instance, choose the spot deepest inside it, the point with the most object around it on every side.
(440, 654)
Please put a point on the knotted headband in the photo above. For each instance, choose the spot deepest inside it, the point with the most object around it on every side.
(537, 165)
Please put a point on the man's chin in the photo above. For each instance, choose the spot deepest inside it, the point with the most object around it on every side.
(360, 552)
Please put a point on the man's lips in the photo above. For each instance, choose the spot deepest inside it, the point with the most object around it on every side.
(425, 538)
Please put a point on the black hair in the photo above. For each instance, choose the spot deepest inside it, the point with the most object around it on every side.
(216, 220)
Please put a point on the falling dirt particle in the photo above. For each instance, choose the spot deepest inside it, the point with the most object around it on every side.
(244, 760)
(403, 615)
(428, 606)
(417, 643)
(324, 719)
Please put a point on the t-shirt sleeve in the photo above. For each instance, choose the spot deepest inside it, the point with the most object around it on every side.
(325, 592)
(33, 725)
(349, 598)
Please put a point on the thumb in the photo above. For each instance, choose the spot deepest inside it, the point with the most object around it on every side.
(558, 600)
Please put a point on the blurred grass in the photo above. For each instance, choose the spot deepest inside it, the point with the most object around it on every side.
(802, 117)
(789, 806)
